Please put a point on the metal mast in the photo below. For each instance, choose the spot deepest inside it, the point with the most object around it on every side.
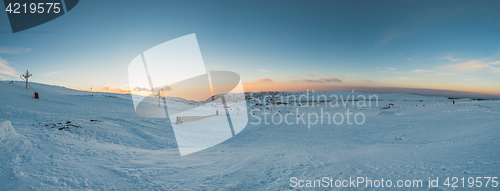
(26, 76)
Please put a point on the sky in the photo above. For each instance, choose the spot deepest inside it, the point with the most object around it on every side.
(382, 46)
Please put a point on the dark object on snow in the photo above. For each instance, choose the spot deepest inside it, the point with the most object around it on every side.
(62, 126)
(92, 120)
(74, 126)
(67, 126)
(36, 95)
(110, 96)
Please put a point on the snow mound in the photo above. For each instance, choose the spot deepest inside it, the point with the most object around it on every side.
(6, 129)
(393, 112)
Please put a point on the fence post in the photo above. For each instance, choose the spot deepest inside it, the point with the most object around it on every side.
(178, 121)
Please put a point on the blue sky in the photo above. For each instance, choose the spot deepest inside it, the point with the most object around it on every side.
(273, 45)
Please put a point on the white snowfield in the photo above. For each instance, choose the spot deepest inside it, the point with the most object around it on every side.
(75, 140)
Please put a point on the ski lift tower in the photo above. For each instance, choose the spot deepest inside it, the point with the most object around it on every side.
(26, 76)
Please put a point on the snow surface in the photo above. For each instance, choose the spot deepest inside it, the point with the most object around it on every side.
(119, 150)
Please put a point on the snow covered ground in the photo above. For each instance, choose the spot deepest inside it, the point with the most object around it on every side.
(104, 145)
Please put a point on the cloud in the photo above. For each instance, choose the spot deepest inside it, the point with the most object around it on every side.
(322, 80)
(420, 71)
(140, 89)
(408, 78)
(433, 73)
(391, 71)
(474, 66)
(53, 73)
(262, 70)
(113, 90)
(165, 87)
(331, 80)
(349, 80)
(6, 69)
(13, 50)
(312, 81)
(137, 89)
(450, 58)
(264, 80)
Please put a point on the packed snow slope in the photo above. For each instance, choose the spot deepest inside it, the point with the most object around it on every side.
(74, 140)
